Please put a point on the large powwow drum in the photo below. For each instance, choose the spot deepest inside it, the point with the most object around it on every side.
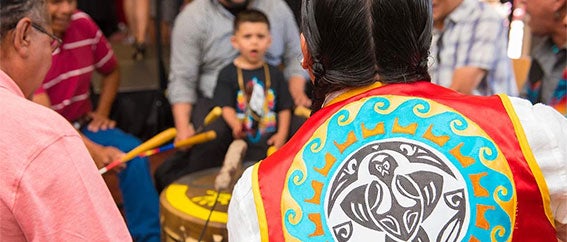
(186, 204)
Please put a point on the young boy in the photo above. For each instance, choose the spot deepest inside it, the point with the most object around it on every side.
(251, 92)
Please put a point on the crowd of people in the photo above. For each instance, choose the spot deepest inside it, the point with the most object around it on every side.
(416, 117)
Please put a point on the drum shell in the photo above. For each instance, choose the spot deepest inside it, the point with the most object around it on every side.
(184, 218)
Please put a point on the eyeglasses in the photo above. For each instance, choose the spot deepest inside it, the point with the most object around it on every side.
(55, 41)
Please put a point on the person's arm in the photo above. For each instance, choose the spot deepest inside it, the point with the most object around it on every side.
(58, 190)
(486, 45)
(466, 79)
(546, 132)
(229, 116)
(184, 70)
(293, 71)
(103, 155)
(561, 231)
(280, 137)
(297, 91)
(182, 120)
(225, 96)
(108, 90)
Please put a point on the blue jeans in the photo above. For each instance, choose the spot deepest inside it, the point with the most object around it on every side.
(140, 198)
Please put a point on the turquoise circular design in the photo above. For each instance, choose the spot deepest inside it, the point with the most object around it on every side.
(410, 196)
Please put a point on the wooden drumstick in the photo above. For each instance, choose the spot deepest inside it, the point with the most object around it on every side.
(215, 113)
(193, 140)
(157, 140)
(211, 116)
(197, 139)
(302, 111)
(232, 160)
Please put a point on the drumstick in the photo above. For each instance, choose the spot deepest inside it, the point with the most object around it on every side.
(215, 113)
(211, 116)
(302, 111)
(157, 140)
(193, 140)
(232, 162)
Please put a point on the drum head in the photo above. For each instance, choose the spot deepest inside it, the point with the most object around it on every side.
(186, 205)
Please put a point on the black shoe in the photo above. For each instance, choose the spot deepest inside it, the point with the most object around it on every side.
(139, 51)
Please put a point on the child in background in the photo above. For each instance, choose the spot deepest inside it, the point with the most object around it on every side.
(254, 96)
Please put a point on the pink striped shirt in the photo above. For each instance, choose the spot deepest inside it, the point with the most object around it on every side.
(84, 50)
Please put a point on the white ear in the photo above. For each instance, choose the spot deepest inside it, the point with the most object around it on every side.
(305, 61)
(22, 38)
(234, 43)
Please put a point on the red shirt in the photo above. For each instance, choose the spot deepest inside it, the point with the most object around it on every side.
(84, 50)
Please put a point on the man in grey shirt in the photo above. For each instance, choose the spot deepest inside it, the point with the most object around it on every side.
(200, 47)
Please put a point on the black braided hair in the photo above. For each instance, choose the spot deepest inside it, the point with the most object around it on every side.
(358, 42)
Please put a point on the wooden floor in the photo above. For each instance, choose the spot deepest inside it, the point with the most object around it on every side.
(136, 75)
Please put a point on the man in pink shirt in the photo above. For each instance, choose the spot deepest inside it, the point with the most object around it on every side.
(66, 89)
(50, 190)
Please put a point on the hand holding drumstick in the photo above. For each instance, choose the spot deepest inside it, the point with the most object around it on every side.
(145, 148)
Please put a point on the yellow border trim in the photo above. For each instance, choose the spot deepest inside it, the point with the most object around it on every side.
(353, 92)
(527, 152)
(262, 221)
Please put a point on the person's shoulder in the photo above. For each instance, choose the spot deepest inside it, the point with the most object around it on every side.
(541, 46)
(38, 123)
(524, 107)
(82, 24)
(485, 11)
(273, 8)
(229, 68)
(474, 11)
(197, 9)
(82, 19)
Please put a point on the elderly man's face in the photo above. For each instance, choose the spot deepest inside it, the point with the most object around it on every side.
(542, 15)
(60, 12)
(40, 62)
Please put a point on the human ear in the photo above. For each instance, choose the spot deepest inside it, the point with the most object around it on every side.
(22, 37)
(234, 42)
(306, 61)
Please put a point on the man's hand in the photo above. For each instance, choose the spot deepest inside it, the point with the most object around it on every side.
(104, 155)
(184, 132)
(466, 79)
(100, 122)
(277, 140)
(237, 131)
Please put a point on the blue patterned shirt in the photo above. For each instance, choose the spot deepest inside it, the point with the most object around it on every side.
(474, 35)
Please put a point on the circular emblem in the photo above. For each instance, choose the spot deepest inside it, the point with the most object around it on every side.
(398, 168)
(390, 189)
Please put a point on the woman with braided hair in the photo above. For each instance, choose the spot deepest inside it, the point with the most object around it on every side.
(389, 156)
